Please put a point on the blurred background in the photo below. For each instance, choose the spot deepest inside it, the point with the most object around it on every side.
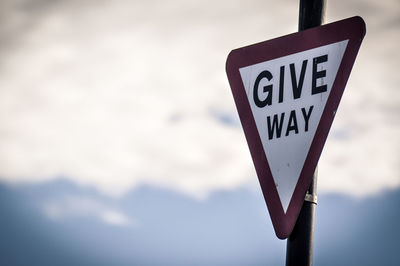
(120, 143)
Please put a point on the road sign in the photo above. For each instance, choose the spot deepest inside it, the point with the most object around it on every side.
(287, 91)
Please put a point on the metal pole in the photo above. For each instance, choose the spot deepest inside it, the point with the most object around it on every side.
(299, 248)
(311, 13)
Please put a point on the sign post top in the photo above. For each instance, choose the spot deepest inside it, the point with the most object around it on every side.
(287, 91)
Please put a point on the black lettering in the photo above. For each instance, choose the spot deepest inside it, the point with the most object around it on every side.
(307, 116)
(297, 87)
(318, 74)
(267, 89)
(281, 83)
(276, 126)
(290, 127)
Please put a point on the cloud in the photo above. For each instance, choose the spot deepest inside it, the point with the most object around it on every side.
(118, 94)
(84, 207)
(362, 156)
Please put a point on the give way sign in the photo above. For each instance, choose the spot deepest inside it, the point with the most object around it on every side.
(287, 91)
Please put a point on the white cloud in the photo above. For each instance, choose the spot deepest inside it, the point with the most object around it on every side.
(115, 218)
(118, 94)
(84, 207)
(362, 155)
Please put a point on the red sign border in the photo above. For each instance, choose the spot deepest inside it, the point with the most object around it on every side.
(352, 29)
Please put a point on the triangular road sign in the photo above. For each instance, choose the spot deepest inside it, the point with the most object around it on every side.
(287, 91)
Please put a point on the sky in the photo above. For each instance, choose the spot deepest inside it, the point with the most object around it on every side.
(119, 94)
(110, 97)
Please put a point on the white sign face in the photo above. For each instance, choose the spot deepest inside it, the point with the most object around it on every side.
(287, 96)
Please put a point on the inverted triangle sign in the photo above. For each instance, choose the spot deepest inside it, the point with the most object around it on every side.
(287, 91)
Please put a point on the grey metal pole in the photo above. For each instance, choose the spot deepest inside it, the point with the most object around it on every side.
(299, 248)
